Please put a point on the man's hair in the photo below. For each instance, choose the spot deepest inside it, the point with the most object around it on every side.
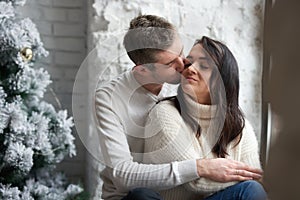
(147, 36)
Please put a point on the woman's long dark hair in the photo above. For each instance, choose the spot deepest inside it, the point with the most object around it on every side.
(228, 110)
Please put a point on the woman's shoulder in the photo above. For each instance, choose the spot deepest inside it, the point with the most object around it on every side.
(248, 126)
(164, 118)
(165, 109)
(248, 132)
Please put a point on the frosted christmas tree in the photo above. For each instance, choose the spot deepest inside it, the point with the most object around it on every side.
(33, 136)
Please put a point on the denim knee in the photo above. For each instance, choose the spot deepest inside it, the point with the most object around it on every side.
(254, 190)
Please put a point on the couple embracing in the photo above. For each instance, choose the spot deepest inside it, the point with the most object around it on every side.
(175, 143)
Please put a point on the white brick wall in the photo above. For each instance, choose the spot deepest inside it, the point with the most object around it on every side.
(62, 25)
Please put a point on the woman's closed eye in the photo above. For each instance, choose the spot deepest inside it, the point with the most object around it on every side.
(203, 67)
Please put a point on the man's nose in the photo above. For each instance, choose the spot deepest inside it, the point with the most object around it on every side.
(183, 63)
(180, 64)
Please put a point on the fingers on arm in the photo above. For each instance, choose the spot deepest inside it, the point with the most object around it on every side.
(244, 171)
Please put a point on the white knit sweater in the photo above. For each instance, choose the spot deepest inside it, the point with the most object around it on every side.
(122, 106)
(169, 138)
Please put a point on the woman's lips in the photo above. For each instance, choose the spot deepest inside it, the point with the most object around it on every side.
(189, 78)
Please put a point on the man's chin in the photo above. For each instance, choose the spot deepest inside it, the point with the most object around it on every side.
(175, 81)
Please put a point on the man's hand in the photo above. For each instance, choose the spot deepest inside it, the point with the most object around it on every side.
(226, 170)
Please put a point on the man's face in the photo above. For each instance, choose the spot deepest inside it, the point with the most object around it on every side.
(170, 64)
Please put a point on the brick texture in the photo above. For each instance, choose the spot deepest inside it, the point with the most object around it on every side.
(62, 25)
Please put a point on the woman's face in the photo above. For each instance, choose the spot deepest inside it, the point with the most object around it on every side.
(195, 79)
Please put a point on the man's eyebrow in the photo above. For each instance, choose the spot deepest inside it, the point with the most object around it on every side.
(180, 53)
(170, 62)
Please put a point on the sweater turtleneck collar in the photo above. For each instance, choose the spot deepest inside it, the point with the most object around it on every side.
(200, 112)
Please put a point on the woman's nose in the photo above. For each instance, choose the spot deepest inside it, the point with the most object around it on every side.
(190, 69)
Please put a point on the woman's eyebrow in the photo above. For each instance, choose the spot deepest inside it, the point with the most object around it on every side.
(202, 58)
(199, 58)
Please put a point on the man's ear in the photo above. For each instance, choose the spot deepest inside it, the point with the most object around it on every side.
(141, 69)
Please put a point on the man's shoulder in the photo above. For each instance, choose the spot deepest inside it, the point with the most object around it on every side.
(112, 80)
(106, 89)
(107, 85)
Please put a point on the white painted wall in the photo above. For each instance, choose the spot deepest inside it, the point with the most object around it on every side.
(238, 23)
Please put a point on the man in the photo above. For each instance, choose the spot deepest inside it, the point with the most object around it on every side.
(122, 106)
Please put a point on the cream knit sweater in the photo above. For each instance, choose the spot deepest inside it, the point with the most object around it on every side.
(122, 106)
(169, 138)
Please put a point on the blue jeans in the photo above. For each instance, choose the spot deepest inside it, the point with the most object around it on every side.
(247, 190)
(142, 194)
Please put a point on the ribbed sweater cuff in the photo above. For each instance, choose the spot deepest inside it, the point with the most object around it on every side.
(187, 170)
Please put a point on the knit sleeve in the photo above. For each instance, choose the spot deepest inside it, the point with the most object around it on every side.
(121, 169)
(249, 147)
(167, 137)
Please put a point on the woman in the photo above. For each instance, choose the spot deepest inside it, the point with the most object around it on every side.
(203, 121)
